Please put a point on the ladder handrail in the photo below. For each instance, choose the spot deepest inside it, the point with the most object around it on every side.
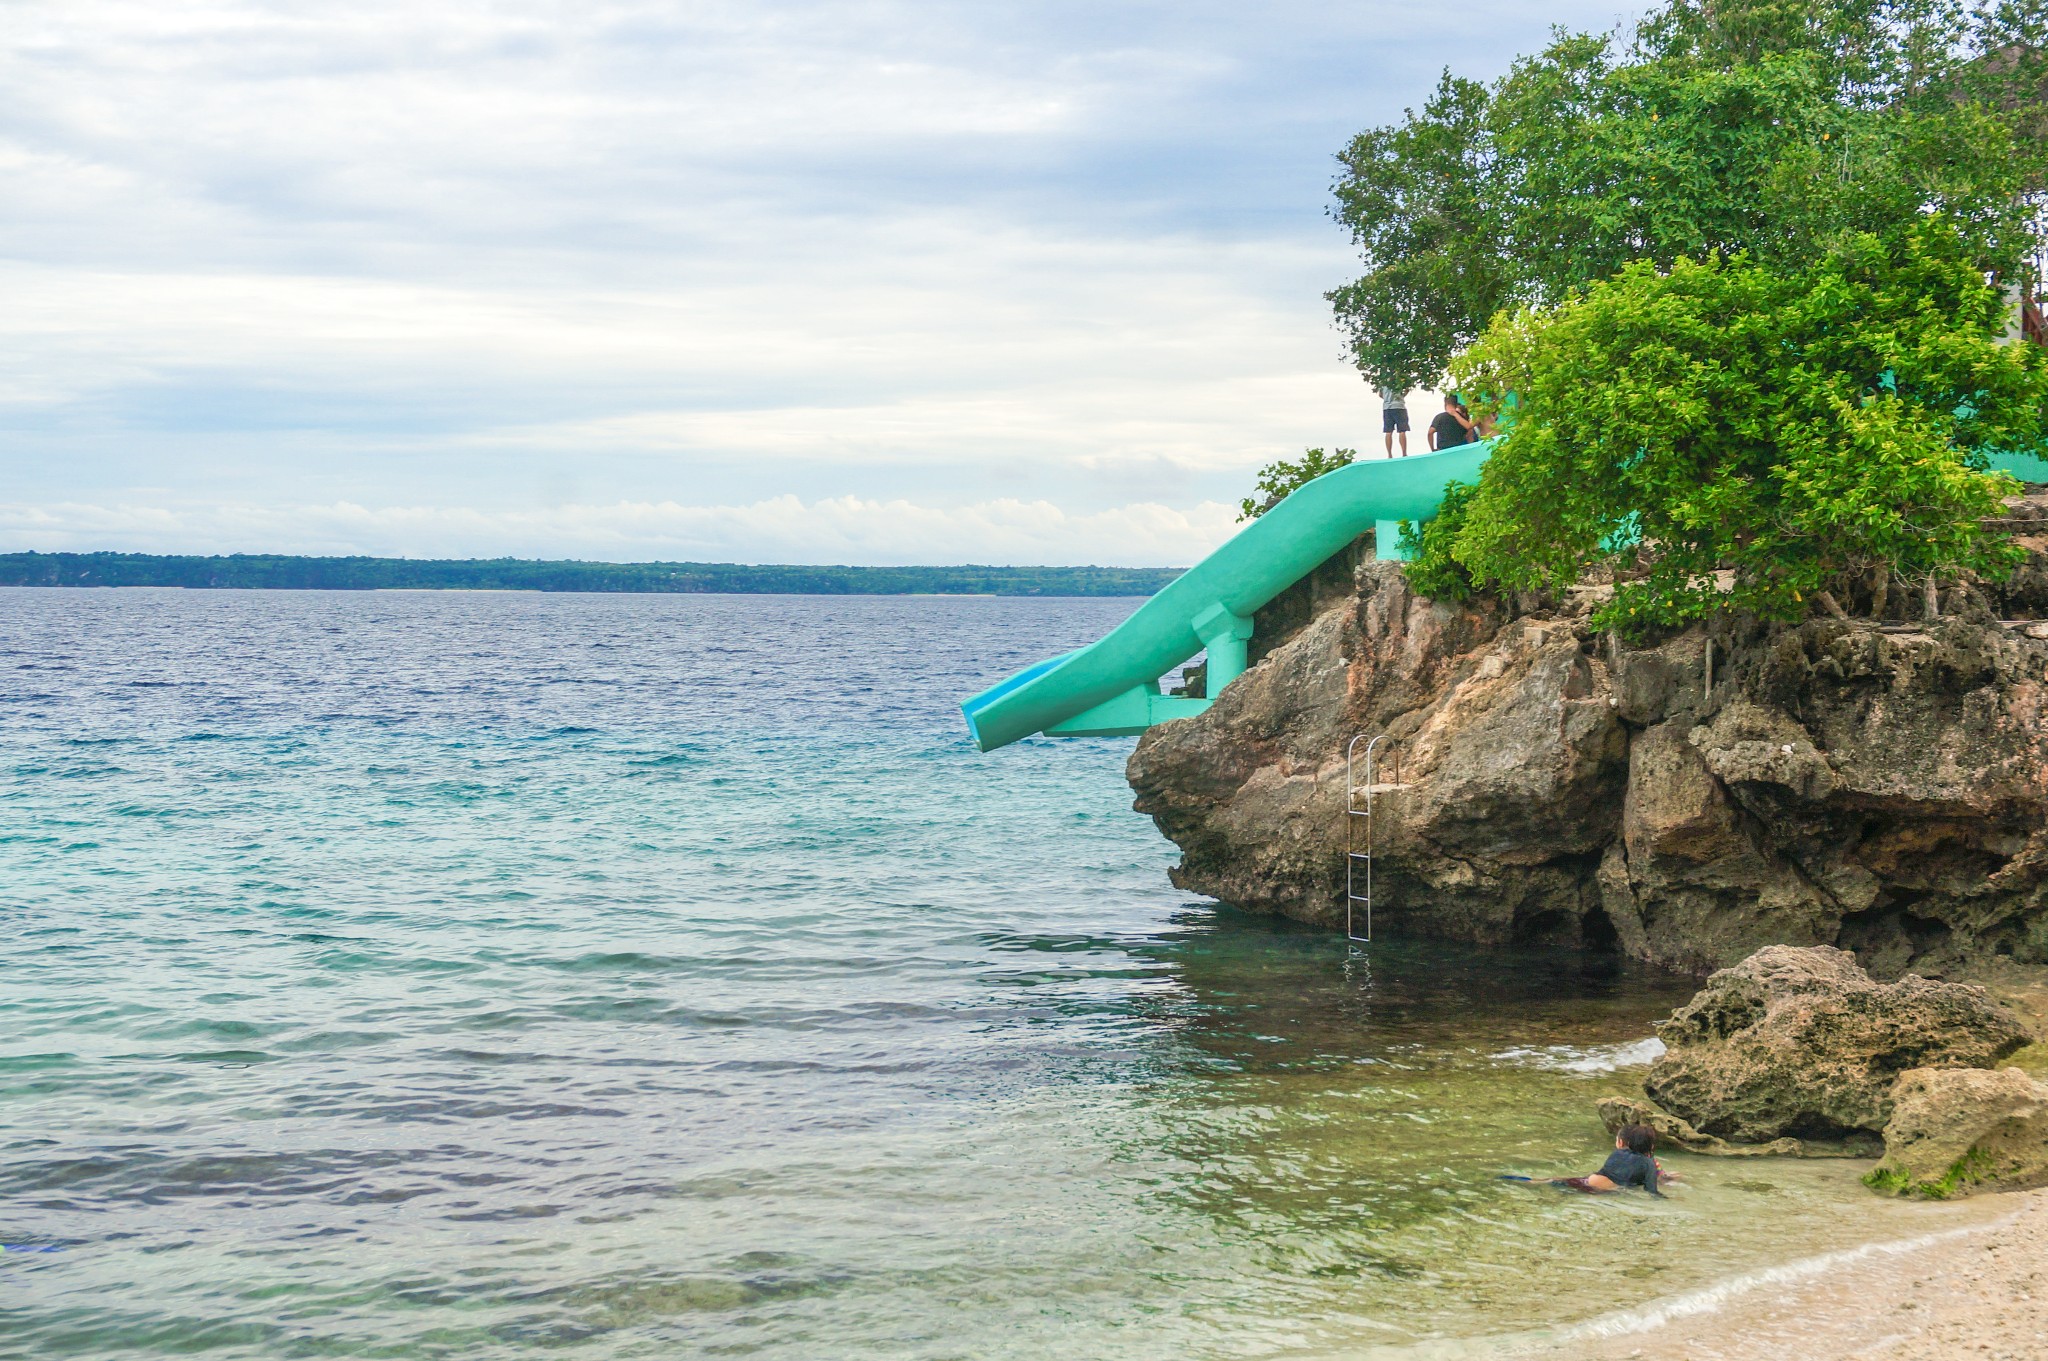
(1352, 812)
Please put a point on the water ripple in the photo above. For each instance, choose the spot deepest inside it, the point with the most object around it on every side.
(470, 976)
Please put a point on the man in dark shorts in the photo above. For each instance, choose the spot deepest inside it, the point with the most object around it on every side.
(1394, 417)
(1452, 427)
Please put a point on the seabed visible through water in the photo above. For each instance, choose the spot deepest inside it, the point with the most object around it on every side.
(499, 975)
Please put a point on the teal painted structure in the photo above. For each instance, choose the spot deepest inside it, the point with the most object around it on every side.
(1110, 688)
(2026, 467)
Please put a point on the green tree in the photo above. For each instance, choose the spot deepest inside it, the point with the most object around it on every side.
(1433, 567)
(1799, 430)
(1415, 198)
(1281, 477)
(1772, 128)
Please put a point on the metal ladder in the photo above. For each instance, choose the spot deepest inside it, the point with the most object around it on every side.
(1353, 817)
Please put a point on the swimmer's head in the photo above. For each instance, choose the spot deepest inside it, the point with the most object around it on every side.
(1636, 1138)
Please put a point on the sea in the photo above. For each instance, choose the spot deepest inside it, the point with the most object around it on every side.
(492, 975)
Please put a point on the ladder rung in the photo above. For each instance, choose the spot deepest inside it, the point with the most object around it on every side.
(1359, 855)
(1359, 897)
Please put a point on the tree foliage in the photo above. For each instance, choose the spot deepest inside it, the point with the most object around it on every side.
(1796, 427)
(1771, 128)
(1433, 566)
(1281, 477)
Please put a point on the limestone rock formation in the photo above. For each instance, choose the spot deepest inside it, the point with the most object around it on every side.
(1802, 1043)
(1672, 1132)
(1957, 1131)
(1879, 784)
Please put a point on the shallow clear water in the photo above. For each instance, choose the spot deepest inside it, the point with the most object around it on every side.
(486, 975)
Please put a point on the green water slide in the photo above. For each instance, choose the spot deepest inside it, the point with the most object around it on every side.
(1111, 688)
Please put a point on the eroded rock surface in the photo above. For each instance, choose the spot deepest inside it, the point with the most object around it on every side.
(1672, 1132)
(1957, 1131)
(1877, 784)
(1802, 1043)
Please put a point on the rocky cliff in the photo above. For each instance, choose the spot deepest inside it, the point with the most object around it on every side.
(1878, 782)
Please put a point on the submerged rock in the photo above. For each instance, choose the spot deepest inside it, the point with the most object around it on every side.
(1957, 1131)
(1875, 784)
(1672, 1132)
(1802, 1043)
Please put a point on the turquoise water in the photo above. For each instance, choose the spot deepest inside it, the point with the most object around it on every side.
(493, 975)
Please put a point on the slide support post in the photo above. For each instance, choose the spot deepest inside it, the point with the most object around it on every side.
(1225, 634)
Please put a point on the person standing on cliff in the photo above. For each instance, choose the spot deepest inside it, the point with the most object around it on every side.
(1452, 428)
(1394, 417)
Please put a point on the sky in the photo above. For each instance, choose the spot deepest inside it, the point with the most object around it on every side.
(781, 281)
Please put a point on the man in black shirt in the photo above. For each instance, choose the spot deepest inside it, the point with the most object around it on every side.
(1451, 428)
(1629, 1165)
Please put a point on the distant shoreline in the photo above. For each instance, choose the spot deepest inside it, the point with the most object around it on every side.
(252, 571)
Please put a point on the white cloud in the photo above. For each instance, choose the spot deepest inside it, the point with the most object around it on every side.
(781, 529)
(503, 258)
(1102, 367)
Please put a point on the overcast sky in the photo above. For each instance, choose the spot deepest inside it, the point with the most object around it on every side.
(777, 281)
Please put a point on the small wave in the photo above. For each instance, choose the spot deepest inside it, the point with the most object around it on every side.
(1713, 1297)
(1602, 1058)
(29, 1063)
(224, 1058)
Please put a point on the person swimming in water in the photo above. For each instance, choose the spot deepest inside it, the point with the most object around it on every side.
(1629, 1165)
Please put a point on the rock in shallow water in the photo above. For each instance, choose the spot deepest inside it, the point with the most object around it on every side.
(1672, 1132)
(1957, 1131)
(1881, 786)
(1802, 1043)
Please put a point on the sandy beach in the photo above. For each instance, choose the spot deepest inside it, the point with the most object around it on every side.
(1971, 1291)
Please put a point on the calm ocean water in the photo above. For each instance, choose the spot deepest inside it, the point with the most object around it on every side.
(493, 975)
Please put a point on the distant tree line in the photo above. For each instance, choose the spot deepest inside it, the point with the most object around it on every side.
(264, 571)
